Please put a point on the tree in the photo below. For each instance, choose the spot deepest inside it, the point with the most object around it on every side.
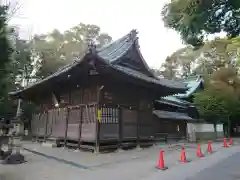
(22, 61)
(213, 55)
(220, 52)
(180, 63)
(234, 50)
(57, 49)
(220, 101)
(194, 19)
(169, 68)
(19, 70)
(5, 60)
(23, 74)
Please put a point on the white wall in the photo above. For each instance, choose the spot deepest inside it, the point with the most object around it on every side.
(219, 127)
(203, 127)
(193, 128)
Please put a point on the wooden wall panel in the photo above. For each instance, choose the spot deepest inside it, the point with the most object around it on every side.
(73, 123)
(129, 124)
(59, 122)
(34, 123)
(146, 124)
(109, 132)
(42, 124)
(109, 127)
(88, 133)
(90, 95)
(76, 96)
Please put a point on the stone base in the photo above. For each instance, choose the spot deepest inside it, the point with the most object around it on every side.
(119, 150)
(15, 158)
(138, 147)
(48, 144)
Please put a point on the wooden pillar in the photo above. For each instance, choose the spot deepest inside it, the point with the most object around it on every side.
(120, 127)
(80, 126)
(38, 126)
(138, 136)
(45, 133)
(66, 128)
(97, 142)
(81, 117)
(53, 117)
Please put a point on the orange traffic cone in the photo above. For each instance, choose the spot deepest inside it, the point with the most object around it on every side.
(230, 142)
(199, 151)
(161, 161)
(209, 147)
(183, 156)
(225, 143)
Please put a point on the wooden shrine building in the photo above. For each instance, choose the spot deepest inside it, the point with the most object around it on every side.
(175, 111)
(106, 97)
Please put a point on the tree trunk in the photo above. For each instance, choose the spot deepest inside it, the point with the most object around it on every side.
(215, 129)
(229, 128)
(215, 126)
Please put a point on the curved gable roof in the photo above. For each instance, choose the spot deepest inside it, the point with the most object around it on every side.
(109, 54)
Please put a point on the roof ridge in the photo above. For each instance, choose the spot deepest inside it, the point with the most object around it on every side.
(132, 35)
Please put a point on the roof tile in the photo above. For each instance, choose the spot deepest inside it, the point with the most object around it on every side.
(116, 49)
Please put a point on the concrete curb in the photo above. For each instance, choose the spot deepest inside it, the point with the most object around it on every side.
(57, 159)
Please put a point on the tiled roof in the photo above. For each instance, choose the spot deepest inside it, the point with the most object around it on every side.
(109, 54)
(174, 99)
(118, 48)
(193, 83)
(139, 75)
(172, 115)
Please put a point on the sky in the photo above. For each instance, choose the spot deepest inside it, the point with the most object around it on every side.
(116, 18)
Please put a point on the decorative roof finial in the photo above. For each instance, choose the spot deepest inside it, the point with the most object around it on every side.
(133, 34)
(91, 47)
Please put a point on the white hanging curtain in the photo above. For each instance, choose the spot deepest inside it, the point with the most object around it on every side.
(55, 101)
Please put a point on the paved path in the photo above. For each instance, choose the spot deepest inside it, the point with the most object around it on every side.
(61, 164)
(190, 171)
(227, 169)
(87, 159)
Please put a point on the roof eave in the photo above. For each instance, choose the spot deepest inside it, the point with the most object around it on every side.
(89, 52)
(174, 89)
(171, 103)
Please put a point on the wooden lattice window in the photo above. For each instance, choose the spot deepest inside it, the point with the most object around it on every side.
(109, 115)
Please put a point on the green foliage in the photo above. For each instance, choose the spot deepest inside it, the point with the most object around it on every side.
(24, 63)
(57, 49)
(17, 69)
(169, 68)
(5, 60)
(180, 63)
(22, 70)
(220, 101)
(220, 52)
(194, 19)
